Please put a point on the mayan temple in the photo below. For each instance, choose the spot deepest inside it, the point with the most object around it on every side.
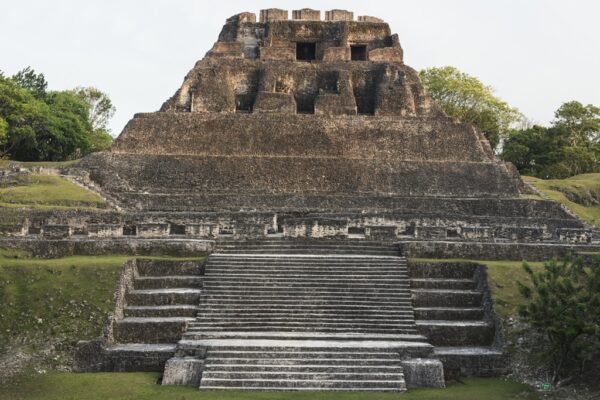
(307, 158)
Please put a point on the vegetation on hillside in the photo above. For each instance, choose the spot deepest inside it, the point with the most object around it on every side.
(563, 306)
(41, 125)
(465, 97)
(569, 146)
(47, 191)
(580, 194)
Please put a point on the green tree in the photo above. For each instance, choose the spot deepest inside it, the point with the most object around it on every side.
(468, 99)
(569, 147)
(28, 79)
(100, 107)
(564, 308)
(581, 123)
(100, 111)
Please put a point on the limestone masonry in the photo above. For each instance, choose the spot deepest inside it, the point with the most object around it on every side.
(308, 159)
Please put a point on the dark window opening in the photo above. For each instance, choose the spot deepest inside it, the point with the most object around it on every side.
(305, 105)
(129, 230)
(244, 103)
(34, 230)
(175, 229)
(452, 233)
(409, 230)
(358, 53)
(306, 51)
(353, 230)
(275, 231)
(226, 230)
(365, 106)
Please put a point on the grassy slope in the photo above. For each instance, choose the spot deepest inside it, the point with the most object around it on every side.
(47, 191)
(582, 186)
(63, 386)
(47, 164)
(64, 300)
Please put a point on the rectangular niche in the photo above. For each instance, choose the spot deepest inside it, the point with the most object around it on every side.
(176, 229)
(358, 52)
(244, 103)
(306, 51)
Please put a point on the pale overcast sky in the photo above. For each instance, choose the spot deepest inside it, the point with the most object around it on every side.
(536, 53)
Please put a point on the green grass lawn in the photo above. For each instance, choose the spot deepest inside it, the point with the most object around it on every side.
(502, 280)
(582, 188)
(47, 191)
(47, 164)
(63, 300)
(140, 386)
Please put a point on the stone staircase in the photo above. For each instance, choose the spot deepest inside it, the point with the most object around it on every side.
(286, 315)
(160, 299)
(453, 309)
(303, 368)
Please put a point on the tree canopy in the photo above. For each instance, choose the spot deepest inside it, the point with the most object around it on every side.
(570, 146)
(41, 125)
(465, 97)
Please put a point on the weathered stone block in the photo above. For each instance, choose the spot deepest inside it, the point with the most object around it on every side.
(228, 50)
(273, 102)
(423, 372)
(381, 232)
(183, 371)
(152, 230)
(306, 14)
(57, 231)
(339, 15)
(105, 230)
(273, 14)
(279, 53)
(336, 54)
(335, 104)
(386, 54)
(368, 18)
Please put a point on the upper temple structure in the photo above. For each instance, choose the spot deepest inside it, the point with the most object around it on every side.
(308, 115)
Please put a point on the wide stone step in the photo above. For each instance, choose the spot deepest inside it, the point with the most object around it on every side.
(304, 328)
(457, 284)
(309, 385)
(313, 250)
(323, 356)
(334, 373)
(270, 313)
(182, 310)
(336, 365)
(294, 306)
(216, 259)
(474, 360)
(448, 313)
(457, 333)
(308, 285)
(150, 330)
(232, 288)
(446, 298)
(401, 322)
(168, 267)
(317, 272)
(442, 270)
(140, 357)
(165, 282)
(163, 296)
(414, 344)
(314, 296)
